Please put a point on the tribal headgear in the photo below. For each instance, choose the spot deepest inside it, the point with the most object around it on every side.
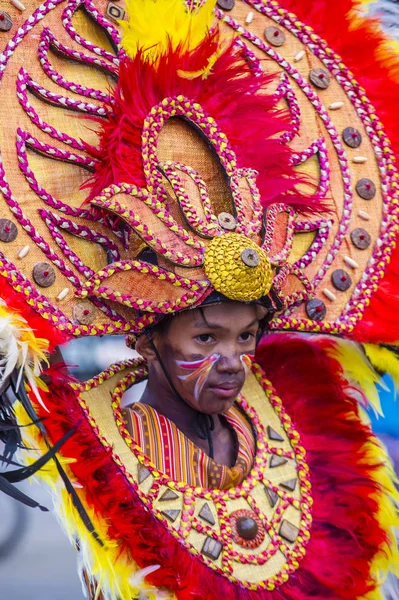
(225, 156)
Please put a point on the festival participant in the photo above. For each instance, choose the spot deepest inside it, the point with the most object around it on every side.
(241, 201)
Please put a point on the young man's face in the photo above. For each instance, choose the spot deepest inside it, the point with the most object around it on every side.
(205, 352)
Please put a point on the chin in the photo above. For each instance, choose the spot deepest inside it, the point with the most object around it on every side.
(216, 405)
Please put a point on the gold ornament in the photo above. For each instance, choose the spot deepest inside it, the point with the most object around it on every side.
(238, 268)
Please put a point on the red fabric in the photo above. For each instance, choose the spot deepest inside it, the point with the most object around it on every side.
(377, 71)
(41, 327)
(345, 534)
(231, 95)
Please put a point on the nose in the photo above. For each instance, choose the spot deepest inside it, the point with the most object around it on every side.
(229, 362)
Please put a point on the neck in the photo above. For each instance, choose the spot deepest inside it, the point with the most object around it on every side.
(166, 402)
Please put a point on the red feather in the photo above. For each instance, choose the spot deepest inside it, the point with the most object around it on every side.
(41, 327)
(232, 94)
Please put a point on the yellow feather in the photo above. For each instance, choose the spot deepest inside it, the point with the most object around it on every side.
(113, 572)
(384, 360)
(154, 24)
(358, 369)
(387, 558)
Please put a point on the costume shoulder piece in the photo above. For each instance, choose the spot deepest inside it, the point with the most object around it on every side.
(151, 155)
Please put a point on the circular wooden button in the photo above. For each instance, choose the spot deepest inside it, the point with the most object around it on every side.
(5, 21)
(320, 78)
(83, 313)
(43, 274)
(341, 280)
(226, 4)
(366, 188)
(352, 137)
(274, 35)
(227, 221)
(246, 528)
(360, 238)
(250, 257)
(316, 309)
(8, 230)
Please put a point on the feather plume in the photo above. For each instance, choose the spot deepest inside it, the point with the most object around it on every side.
(156, 25)
(384, 360)
(21, 350)
(359, 370)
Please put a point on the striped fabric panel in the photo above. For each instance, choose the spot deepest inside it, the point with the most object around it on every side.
(178, 457)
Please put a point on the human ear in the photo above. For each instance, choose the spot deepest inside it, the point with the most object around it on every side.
(145, 348)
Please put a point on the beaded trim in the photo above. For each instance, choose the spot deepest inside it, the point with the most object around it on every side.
(230, 554)
(389, 181)
(195, 290)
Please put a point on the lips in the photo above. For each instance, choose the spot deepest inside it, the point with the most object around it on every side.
(226, 390)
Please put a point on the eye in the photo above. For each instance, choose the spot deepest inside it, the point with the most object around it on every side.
(247, 336)
(205, 338)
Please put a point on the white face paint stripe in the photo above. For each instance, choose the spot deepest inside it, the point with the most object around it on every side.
(200, 371)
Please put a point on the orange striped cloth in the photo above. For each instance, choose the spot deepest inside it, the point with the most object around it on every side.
(178, 457)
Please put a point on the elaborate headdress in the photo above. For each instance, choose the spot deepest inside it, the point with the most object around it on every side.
(226, 149)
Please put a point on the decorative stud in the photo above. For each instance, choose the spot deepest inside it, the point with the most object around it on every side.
(320, 78)
(226, 4)
(250, 257)
(142, 473)
(299, 55)
(18, 5)
(246, 527)
(341, 280)
(227, 221)
(171, 514)
(115, 12)
(336, 105)
(43, 274)
(359, 160)
(366, 188)
(206, 514)
(316, 309)
(249, 18)
(8, 230)
(274, 35)
(24, 251)
(5, 21)
(277, 461)
(63, 294)
(273, 435)
(328, 294)
(272, 496)
(363, 215)
(211, 548)
(168, 495)
(350, 262)
(352, 137)
(288, 531)
(83, 313)
(360, 238)
(289, 485)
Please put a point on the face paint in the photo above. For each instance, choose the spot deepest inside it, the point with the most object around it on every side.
(246, 361)
(200, 371)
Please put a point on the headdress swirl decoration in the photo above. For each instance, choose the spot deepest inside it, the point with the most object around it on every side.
(250, 164)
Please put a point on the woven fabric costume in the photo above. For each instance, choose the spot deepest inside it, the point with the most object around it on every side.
(223, 148)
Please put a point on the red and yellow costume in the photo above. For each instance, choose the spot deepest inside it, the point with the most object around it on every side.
(239, 148)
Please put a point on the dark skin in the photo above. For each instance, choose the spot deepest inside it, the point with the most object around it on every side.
(228, 330)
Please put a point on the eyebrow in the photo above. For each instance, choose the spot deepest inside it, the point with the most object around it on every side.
(205, 323)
